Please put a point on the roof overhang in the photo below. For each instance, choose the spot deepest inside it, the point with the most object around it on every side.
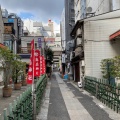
(115, 35)
(77, 25)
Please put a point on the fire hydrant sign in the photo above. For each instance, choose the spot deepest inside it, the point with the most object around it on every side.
(37, 63)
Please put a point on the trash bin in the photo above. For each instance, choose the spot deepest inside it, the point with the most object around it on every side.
(66, 76)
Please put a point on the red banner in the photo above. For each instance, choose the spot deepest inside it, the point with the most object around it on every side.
(30, 75)
(41, 65)
(37, 63)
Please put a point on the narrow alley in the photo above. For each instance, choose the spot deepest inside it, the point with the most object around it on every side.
(65, 101)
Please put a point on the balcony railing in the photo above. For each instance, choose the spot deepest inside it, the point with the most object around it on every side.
(25, 50)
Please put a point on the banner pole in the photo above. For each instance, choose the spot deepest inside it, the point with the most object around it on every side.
(33, 88)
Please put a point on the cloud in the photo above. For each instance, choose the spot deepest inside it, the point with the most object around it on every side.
(42, 10)
(28, 24)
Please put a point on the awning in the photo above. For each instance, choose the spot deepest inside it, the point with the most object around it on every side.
(77, 25)
(115, 35)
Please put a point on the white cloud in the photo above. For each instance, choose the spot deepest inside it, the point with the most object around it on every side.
(29, 24)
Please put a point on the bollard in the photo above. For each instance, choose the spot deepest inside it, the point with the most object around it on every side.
(96, 90)
(1, 117)
(5, 114)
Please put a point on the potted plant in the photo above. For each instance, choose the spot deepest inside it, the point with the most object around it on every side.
(23, 76)
(109, 70)
(17, 72)
(6, 63)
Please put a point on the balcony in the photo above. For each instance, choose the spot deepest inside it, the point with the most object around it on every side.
(24, 52)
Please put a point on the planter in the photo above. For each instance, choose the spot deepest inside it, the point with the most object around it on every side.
(24, 83)
(17, 86)
(7, 92)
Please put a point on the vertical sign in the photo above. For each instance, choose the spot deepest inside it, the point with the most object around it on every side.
(39, 42)
(30, 76)
(37, 63)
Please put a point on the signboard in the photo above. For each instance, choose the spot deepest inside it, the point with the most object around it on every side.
(30, 77)
(39, 42)
(37, 63)
(10, 20)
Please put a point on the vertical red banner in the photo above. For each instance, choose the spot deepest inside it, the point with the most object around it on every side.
(37, 63)
(41, 65)
(30, 75)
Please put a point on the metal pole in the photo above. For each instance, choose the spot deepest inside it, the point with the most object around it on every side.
(33, 90)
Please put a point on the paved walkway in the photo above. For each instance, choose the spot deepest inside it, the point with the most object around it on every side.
(65, 101)
(4, 101)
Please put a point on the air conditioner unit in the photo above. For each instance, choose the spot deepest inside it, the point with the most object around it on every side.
(89, 12)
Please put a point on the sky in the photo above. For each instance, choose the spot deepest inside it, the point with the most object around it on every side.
(36, 10)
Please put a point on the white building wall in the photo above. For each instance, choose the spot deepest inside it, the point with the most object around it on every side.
(63, 29)
(116, 4)
(97, 44)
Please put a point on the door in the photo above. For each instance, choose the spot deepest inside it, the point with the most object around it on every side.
(77, 72)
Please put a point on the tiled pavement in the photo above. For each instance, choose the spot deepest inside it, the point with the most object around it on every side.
(4, 102)
(65, 101)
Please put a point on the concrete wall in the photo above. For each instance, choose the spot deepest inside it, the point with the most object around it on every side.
(97, 44)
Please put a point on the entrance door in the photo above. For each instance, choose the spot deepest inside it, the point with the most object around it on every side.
(77, 72)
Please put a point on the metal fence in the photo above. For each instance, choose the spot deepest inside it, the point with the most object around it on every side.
(106, 93)
(22, 109)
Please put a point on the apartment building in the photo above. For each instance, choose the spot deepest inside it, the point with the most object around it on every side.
(91, 35)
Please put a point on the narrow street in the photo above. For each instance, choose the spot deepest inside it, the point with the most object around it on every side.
(64, 101)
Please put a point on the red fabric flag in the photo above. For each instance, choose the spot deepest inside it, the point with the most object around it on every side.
(37, 63)
(30, 76)
(41, 65)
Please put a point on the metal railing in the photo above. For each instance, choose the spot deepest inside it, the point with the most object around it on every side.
(22, 109)
(106, 93)
(25, 50)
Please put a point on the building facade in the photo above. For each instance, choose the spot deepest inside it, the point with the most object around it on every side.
(13, 26)
(91, 35)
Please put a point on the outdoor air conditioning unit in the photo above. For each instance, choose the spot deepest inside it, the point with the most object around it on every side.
(89, 12)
